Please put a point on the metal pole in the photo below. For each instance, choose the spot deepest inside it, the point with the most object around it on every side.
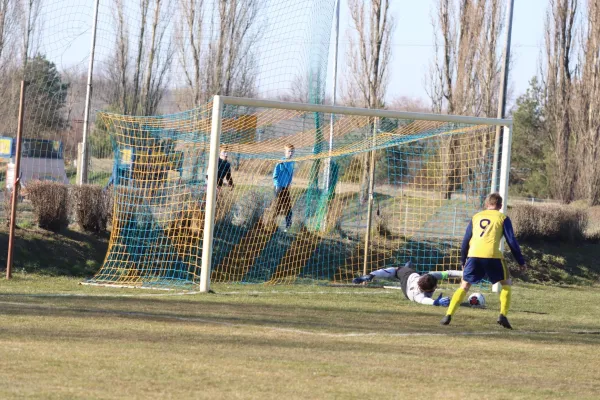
(505, 166)
(16, 183)
(83, 177)
(502, 97)
(335, 68)
(365, 112)
(504, 176)
(370, 202)
(211, 193)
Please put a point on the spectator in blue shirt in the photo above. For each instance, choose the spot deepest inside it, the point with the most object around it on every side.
(282, 180)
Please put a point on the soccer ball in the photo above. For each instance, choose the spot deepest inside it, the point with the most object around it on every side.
(477, 300)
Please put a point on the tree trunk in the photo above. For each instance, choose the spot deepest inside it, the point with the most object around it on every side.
(369, 59)
(147, 109)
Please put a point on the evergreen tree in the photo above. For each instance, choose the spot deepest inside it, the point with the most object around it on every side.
(531, 155)
(45, 96)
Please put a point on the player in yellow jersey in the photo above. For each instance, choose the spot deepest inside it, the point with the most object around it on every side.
(481, 256)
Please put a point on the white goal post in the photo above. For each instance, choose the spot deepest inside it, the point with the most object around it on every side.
(219, 102)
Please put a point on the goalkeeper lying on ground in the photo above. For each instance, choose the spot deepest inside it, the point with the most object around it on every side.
(417, 288)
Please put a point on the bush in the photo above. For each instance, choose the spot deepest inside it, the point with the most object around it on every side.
(91, 207)
(335, 212)
(593, 236)
(549, 222)
(248, 210)
(50, 202)
(225, 201)
(381, 226)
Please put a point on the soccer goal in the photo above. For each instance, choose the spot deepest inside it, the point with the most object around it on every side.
(311, 193)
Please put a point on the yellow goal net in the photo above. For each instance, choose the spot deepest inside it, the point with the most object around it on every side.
(298, 192)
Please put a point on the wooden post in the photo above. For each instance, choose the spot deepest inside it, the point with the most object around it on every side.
(15, 192)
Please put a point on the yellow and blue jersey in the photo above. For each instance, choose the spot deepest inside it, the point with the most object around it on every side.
(484, 234)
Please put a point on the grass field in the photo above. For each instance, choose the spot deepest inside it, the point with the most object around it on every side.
(60, 340)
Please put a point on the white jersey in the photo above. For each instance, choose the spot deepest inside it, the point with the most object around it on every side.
(409, 281)
(414, 293)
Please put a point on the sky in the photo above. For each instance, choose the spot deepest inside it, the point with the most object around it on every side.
(412, 45)
(412, 41)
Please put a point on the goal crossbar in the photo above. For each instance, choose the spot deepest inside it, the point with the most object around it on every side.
(366, 112)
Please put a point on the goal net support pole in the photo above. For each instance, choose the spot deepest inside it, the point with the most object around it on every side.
(504, 177)
(211, 193)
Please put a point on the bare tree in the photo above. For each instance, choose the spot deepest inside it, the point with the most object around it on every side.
(489, 59)
(587, 109)
(468, 55)
(369, 55)
(464, 74)
(559, 41)
(159, 59)
(74, 102)
(464, 77)
(443, 68)
(7, 23)
(234, 60)
(299, 90)
(29, 11)
(115, 82)
(19, 39)
(488, 80)
(8, 34)
(138, 83)
(189, 46)
(369, 51)
(228, 65)
(73, 109)
(444, 87)
(410, 104)
(137, 65)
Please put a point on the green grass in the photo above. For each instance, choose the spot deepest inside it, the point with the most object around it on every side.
(68, 253)
(61, 340)
(94, 177)
(559, 263)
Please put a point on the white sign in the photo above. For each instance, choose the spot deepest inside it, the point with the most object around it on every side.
(43, 169)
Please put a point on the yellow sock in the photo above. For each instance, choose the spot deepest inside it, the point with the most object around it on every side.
(505, 295)
(457, 298)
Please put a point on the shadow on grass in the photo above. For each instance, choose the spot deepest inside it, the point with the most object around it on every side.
(291, 318)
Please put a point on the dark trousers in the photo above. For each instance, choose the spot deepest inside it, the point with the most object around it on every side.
(283, 204)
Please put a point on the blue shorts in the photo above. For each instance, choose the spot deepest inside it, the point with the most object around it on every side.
(477, 268)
